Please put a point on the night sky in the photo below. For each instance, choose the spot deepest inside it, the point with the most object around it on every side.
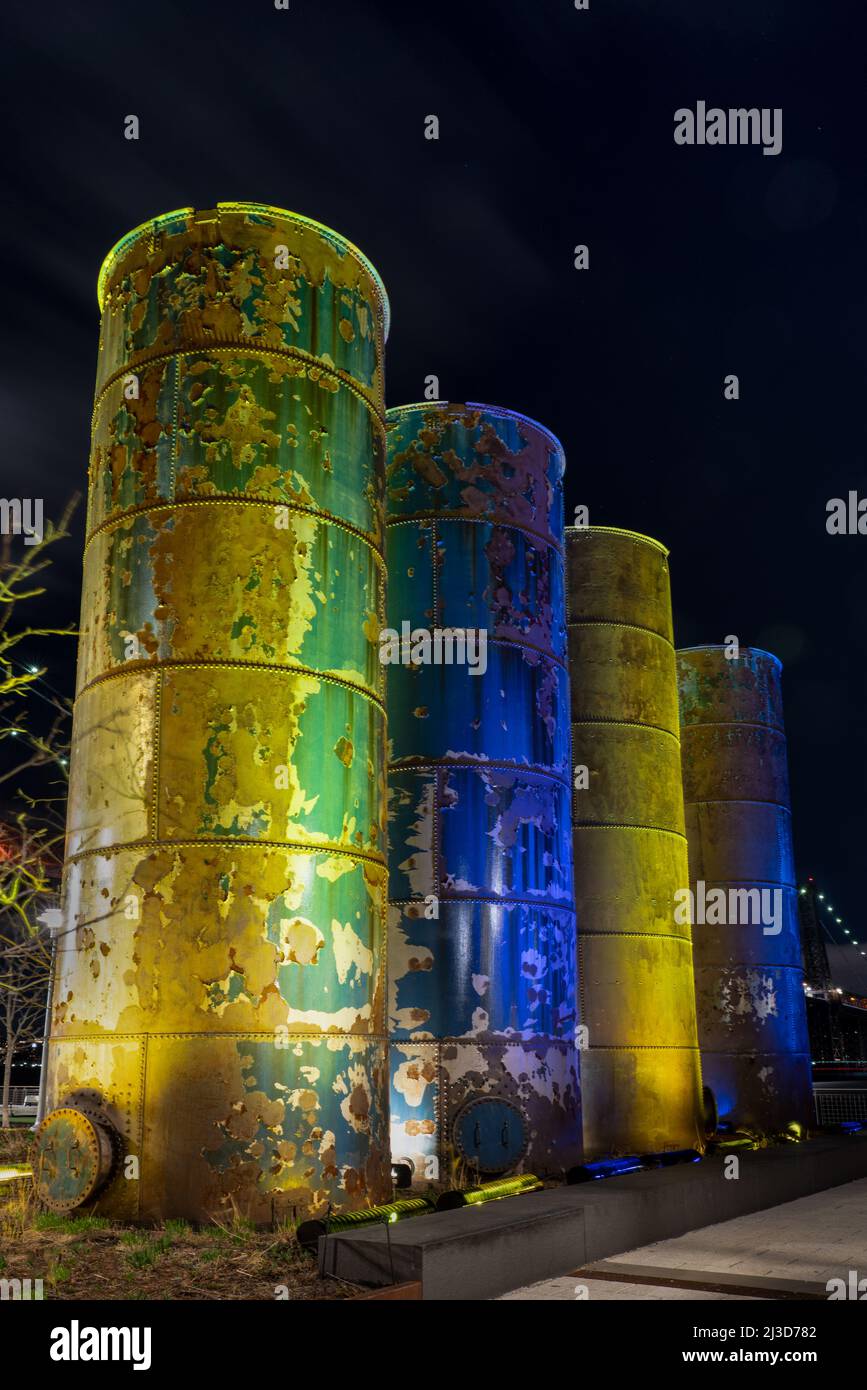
(556, 128)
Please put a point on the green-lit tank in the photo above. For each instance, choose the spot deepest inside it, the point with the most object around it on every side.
(219, 995)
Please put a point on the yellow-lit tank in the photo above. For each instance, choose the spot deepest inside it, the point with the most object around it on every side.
(219, 994)
(641, 1081)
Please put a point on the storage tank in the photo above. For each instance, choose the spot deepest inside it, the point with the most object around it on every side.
(219, 995)
(481, 937)
(748, 969)
(641, 1081)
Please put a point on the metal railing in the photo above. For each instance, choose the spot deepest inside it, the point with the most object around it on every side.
(832, 1107)
(19, 1094)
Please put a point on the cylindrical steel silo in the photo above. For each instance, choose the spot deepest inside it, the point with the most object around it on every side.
(748, 972)
(481, 935)
(219, 999)
(641, 1082)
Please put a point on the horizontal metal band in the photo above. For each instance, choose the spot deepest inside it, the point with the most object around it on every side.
(243, 348)
(505, 1040)
(495, 642)
(265, 1035)
(733, 724)
(236, 500)
(416, 517)
(498, 412)
(548, 903)
(228, 842)
(635, 536)
(754, 882)
(753, 1052)
(735, 801)
(529, 647)
(605, 825)
(641, 1047)
(722, 646)
(422, 764)
(625, 724)
(748, 965)
(136, 668)
(638, 935)
(612, 622)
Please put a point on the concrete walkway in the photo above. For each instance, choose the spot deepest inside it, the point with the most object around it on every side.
(810, 1241)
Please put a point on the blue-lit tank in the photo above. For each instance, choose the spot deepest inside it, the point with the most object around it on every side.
(481, 940)
(750, 1006)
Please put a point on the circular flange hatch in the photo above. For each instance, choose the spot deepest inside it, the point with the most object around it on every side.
(490, 1133)
(74, 1157)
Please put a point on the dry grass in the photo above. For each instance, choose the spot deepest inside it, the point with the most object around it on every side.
(15, 1144)
(89, 1257)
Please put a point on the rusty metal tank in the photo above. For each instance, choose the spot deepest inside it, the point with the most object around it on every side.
(219, 997)
(641, 1082)
(748, 970)
(481, 936)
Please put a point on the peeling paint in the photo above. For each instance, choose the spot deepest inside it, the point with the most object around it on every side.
(748, 983)
(483, 986)
(223, 989)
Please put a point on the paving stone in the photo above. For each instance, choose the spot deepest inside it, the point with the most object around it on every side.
(813, 1239)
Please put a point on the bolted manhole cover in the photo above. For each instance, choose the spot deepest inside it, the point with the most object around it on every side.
(74, 1156)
